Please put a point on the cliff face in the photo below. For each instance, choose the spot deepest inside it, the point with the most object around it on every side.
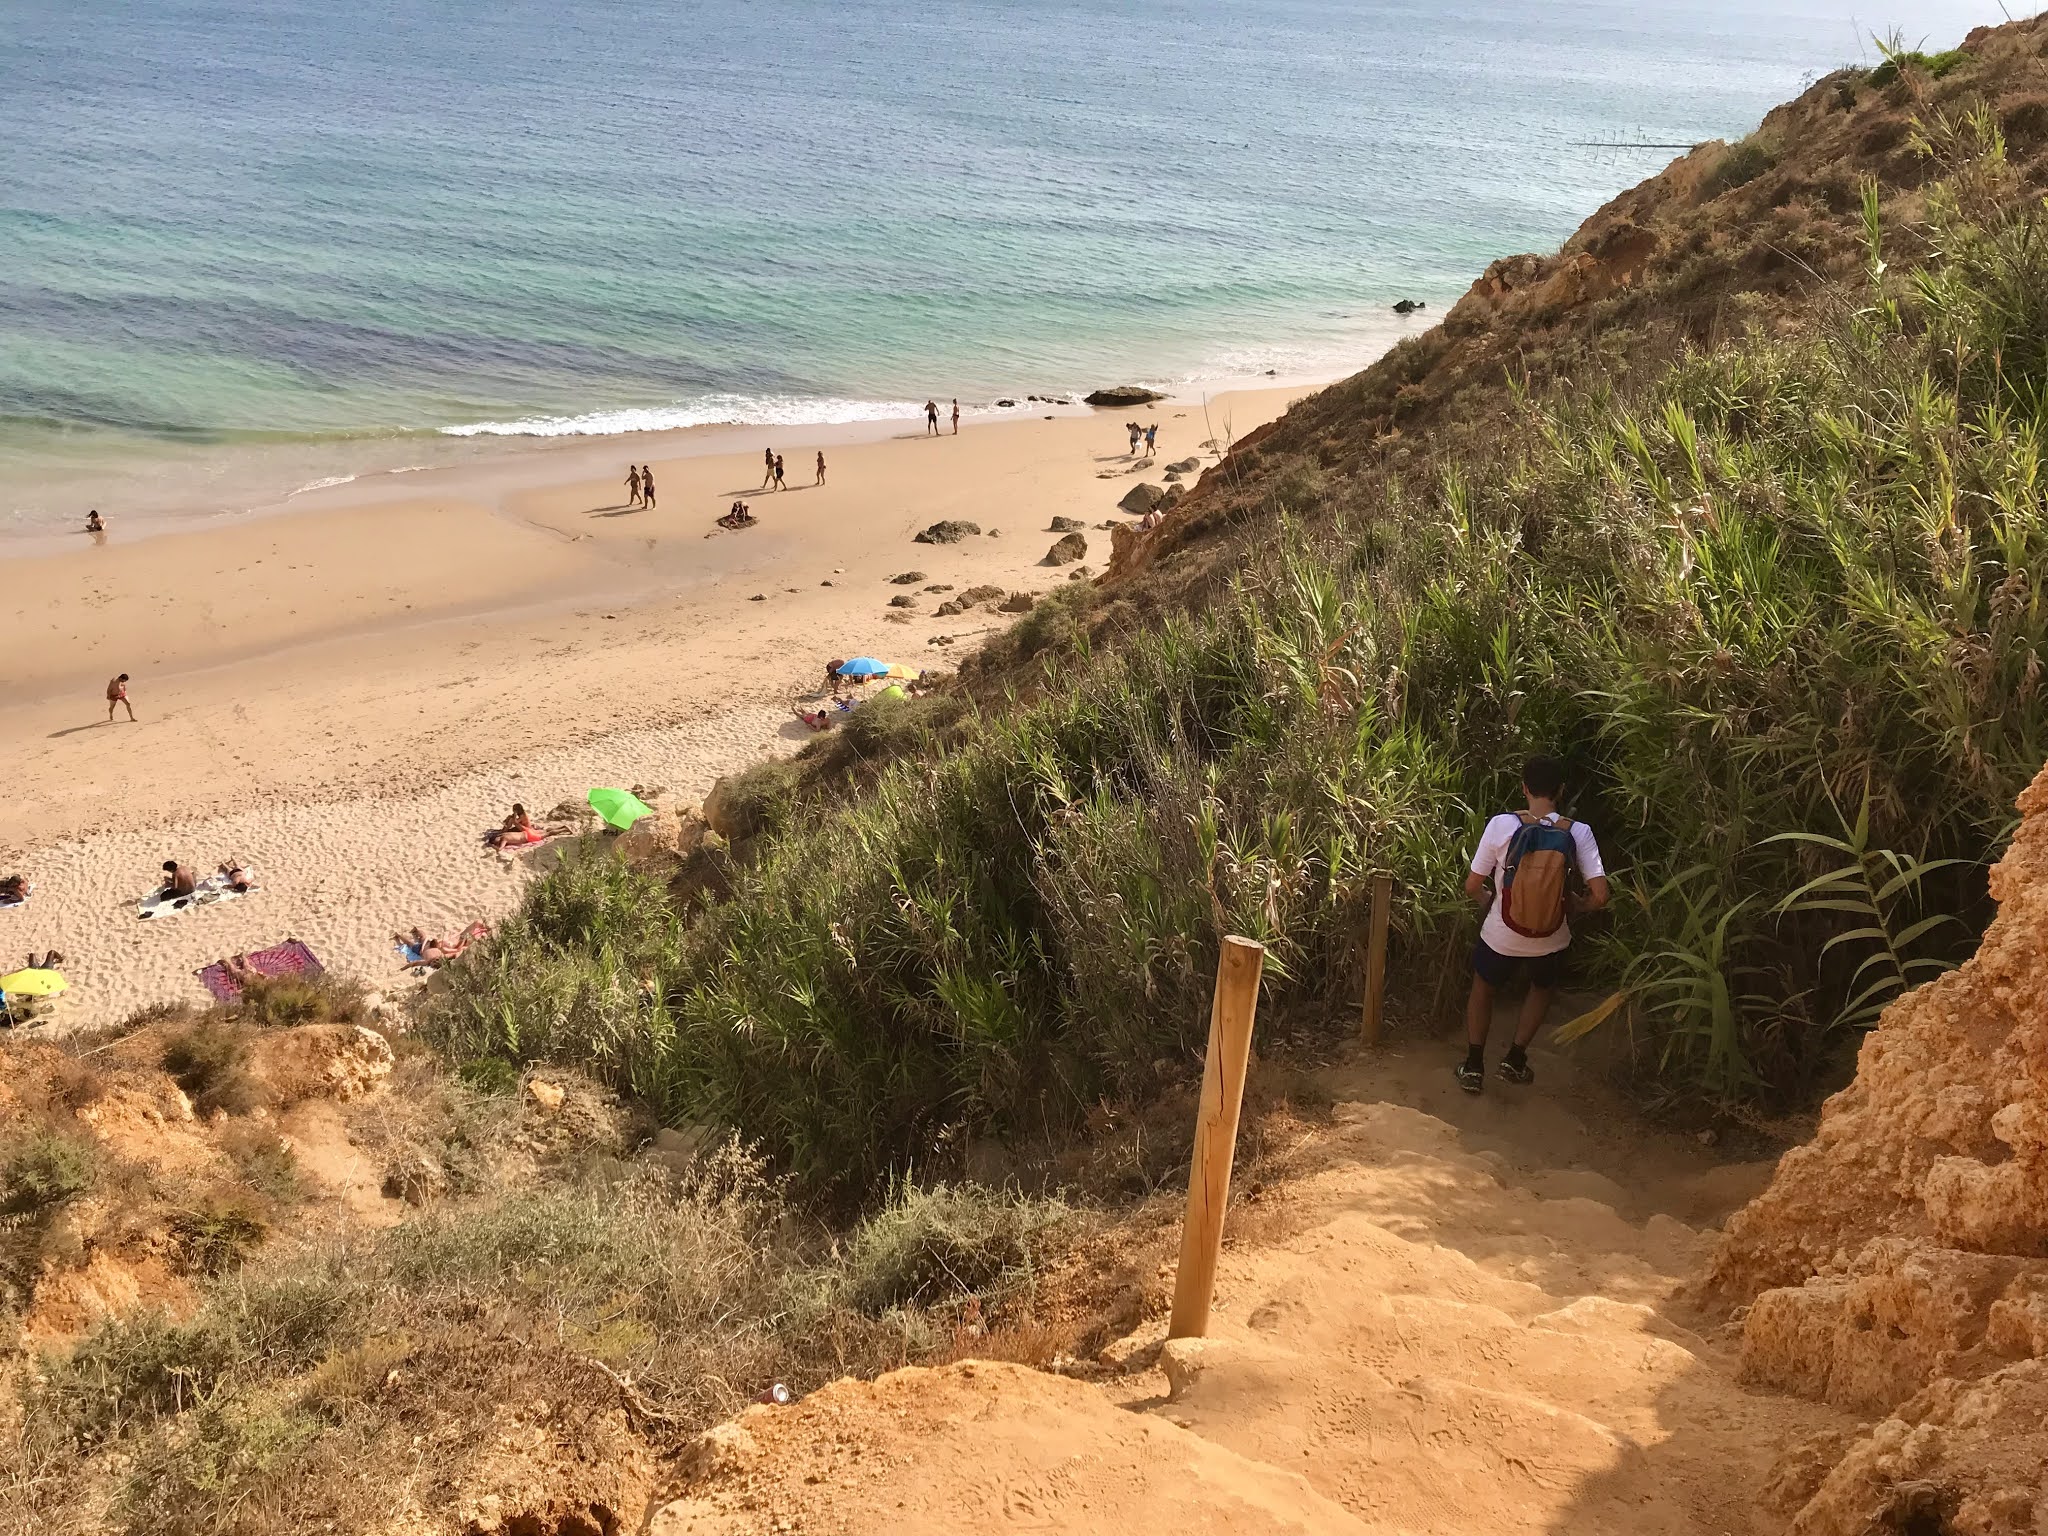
(1898, 1264)
(1724, 238)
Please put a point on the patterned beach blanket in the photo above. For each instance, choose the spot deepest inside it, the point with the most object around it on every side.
(291, 958)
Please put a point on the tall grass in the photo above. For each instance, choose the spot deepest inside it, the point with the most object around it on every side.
(1777, 578)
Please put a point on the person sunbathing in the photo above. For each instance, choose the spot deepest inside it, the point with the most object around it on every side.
(816, 719)
(433, 951)
(48, 962)
(240, 971)
(236, 873)
(741, 516)
(13, 890)
(517, 830)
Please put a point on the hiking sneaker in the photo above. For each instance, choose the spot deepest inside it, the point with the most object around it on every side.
(1470, 1078)
(1514, 1071)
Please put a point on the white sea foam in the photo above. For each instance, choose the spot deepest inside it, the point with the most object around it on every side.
(709, 411)
(321, 485)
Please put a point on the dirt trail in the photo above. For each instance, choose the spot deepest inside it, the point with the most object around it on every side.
(1420, 1326)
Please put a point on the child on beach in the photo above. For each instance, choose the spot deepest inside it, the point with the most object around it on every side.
(646, 485)
(117, 693)
(779, 485)
(93, 523)
(821, 468)
(632, 485)
(1528, 859)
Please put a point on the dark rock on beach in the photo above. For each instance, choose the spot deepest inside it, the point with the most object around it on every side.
(1066, 525)
(1004, 405)
(1017, 602)
(1125, 394)
(1140, 499)
(902, 600)
(951, 531)
(907, 578)
(1069, 549)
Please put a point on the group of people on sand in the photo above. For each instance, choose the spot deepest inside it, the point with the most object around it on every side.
(179, 880)
(931, 418)
(741, 516)
(773, 476)
(640, 485)
(1146, 434)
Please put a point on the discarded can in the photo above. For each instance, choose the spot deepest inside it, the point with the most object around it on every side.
(777, 1394)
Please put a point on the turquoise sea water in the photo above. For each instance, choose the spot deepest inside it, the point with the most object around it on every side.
(320, 236)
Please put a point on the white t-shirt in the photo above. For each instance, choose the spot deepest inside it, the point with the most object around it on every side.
(1493, 847)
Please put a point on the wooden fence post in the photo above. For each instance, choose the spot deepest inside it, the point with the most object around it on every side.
(1376, 956)
(1230, 1044)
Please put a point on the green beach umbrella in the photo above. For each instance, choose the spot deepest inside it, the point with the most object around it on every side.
(33, 983)
(619, 807)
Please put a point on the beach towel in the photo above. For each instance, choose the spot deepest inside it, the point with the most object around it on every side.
(291, 958)
(210, 890)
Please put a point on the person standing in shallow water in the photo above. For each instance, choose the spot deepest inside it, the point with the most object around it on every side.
(1530, 860)
(956, 418)
(646, 485)
(632, 485)
(931, 418)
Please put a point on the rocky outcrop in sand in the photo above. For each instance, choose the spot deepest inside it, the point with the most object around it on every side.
(1898, 1263)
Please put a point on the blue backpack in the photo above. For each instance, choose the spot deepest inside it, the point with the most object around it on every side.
(1535, 874)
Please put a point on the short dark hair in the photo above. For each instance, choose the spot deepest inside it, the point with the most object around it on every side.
(122, 678)
(1543, 777)
(170, 864)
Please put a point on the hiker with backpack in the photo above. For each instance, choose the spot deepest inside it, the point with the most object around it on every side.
(1525, 871)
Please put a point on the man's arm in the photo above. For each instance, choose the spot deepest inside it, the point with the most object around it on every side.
(1479, 890)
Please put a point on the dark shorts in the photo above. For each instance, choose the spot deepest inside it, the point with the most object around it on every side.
(1497, 970)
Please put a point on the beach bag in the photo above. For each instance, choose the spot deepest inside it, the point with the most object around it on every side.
(1534, 874)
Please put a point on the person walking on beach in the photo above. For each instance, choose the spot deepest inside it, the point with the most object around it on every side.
(821, 468)
(1136, 432)
(956, 416)
(646, 485)
(767, 468)
(1151, 439)
(931, 418)
(1530, 859)
(117, 693)
(779, 485)
(632, 485)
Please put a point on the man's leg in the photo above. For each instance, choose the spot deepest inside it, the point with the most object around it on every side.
(1534, 1007)
(1544, 976)
(1478, 1020)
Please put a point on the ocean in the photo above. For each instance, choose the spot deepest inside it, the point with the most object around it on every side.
(250, 244)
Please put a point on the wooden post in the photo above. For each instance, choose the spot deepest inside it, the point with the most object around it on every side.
(1376, 955)
(1230, 1044)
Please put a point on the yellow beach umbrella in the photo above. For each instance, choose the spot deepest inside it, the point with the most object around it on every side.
(35, 983)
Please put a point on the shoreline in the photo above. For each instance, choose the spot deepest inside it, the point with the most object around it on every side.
(346, 696)
(249, 476)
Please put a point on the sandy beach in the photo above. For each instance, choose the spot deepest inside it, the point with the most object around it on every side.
(346, 693)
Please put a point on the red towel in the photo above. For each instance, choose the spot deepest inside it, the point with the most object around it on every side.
(291, 958)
